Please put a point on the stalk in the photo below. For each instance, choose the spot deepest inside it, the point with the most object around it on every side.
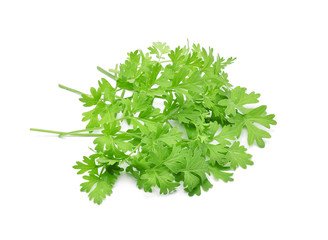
(71, 89)
(60, 134)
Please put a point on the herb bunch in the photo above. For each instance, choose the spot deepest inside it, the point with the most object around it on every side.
(194, 135)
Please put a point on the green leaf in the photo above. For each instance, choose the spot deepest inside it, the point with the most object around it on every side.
(217, 154)
(93, 99)
(194, 83)
(124, 145)
(237, 99)
(163, 179)
(206, 185)
(140, 102)
(176, 56)
(190, 114)
(219, 173)
(88, 165)
(104, 142)
(92, 117)
(194, 169)
(100, 186)
(256, 115)
(159, 49)
(175, 160)
(107, 90)
(237, 156)
(226, 135)
(172, 137)
(208, 57)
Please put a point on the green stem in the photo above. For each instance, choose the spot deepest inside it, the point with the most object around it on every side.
(156, 96)
(123, 118)
(169, 123)
(135, 149)
(79, 131)
(131, 134)
(171, 114)
(123, 92)
(106, 73)
(114, 71)
(70, 89)
(165, 61)
(102, 171)
(61, 133)
(116, 74)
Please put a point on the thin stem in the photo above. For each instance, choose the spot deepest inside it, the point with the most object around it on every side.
(46, 131)
(85, 135)
(130, 134)
(106, 73)
(170, 114)
(123, 118)
(116, 74)
(60, 133)
(135, 149)
(113, 71)
(157, 96)
(92, 150)
(79, 131)
(123, 92)
(71, 89)
(102, 171)
(169, 123)
(165, 61)
(187, 140)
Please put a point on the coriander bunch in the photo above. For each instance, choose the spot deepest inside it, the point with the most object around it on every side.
(193, 136)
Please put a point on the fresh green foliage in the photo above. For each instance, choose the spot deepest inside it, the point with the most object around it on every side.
(192, 136)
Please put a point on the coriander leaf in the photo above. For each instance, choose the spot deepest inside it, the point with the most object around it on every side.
(92, 118)
(129, 71)
(193, 83)
(176, 56)
(237, 156)
(206, 185)
(140, 102)
(172, 137)
(159, 154)
(88, 165)
(175, 159)
(256, 115)
(219, 172)
(124, 145)
(107, 90)
(221, 63)
(159, 49)
(225, 136)
(163, 179)
(208, 57)
(90, 100)
(236, 100)
(103, 142)
(100, 186)
(194, 169)
(217, 154)
(190, 113)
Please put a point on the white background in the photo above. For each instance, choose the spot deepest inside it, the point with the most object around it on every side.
(281, 50)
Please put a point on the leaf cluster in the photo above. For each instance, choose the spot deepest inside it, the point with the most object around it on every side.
(192, 136)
